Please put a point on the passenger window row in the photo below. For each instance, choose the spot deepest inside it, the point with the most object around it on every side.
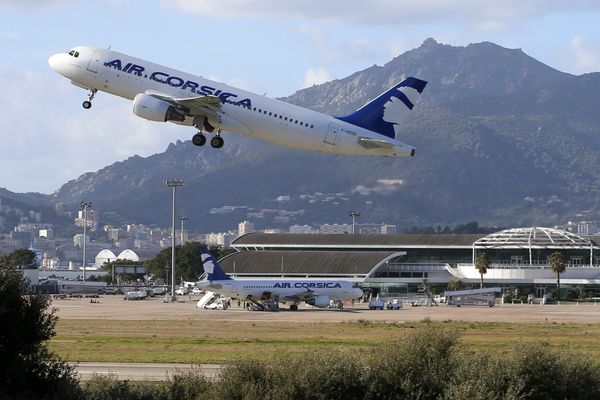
(295, 121)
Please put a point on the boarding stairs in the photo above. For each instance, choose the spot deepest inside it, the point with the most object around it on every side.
(262, 305)
(486, 296)
(428, 296)
(206, 299)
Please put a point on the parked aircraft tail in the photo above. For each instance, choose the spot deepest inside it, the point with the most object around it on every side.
(213, 270)
(388, 111)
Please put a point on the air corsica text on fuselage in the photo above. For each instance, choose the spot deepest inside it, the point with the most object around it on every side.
(174, 81)
(307, 285)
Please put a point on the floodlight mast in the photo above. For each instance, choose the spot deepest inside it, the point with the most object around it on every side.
(85, 205)
(353, 214)
(174, 184)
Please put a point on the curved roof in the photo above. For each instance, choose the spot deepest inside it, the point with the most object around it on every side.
(535, 238)
(106, 255)
(316, 263)
(128, 255)
(257, 240)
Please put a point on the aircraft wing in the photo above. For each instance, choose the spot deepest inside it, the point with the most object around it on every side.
(206, 106)
(374, 143)
(297, 297)
(200, 105)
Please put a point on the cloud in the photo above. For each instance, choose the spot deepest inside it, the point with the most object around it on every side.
(330, 51)
(315, 76)
(382, 186)
(49, 138)
(9, 5)
(586, 55)
(234, 81)
(484, 15)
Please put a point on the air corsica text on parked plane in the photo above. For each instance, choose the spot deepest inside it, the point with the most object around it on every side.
(307, 285)
(177, 82)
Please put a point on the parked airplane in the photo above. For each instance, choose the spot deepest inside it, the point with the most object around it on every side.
(318, 293)
(164, 94)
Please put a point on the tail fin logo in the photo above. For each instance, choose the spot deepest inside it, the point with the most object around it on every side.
(395, 106)
(208, 264)
(388, 111)
(211, 266)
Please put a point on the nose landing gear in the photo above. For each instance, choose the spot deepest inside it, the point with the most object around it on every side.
(88, 103)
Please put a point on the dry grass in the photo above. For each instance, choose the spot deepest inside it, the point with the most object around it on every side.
(194, 341)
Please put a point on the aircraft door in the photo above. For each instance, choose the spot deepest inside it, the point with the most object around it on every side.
(332, 132)
(94, 61)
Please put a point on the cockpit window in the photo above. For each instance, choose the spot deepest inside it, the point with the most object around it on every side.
(74, 53)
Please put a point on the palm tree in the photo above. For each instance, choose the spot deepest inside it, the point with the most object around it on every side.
(456, 284)
(557, 265)
(482, 264)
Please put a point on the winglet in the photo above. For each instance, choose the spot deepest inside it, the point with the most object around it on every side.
(388, 111)
(213, 270)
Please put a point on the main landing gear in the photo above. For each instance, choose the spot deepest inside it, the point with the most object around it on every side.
(88, 103)
(200, 140)
(216, 141)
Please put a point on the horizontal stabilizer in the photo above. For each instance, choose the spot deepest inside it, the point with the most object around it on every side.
(374, 143)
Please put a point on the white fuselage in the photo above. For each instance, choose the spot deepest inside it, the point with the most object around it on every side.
(242, 111)
(282, 289)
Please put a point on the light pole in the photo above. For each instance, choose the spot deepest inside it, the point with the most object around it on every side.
(85, 205)
(173, 183)
(182, 218)
(353, 214)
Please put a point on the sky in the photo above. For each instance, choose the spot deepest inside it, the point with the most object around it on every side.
(271, 47)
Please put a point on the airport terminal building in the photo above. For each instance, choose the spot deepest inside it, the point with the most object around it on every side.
(399, 263)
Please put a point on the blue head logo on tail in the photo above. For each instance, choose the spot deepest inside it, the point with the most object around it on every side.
(388, 111)
(213, 270)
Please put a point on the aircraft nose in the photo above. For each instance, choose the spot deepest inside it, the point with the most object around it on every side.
(357, 293)
(54, 61)
(57, 63)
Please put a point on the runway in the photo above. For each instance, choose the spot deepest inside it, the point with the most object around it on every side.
(141, 371)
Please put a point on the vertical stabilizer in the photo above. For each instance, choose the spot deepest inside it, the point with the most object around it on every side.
(213, 270)
(386, 113)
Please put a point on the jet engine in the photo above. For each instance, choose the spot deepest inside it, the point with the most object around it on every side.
(318, 301)
(155, 109)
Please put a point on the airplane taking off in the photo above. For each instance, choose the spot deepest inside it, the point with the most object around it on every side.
(167, 95)
(316, 292)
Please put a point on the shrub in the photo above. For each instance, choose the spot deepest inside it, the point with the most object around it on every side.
(555, 373)
(417, 366)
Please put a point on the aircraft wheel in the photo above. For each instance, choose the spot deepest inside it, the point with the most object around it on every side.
(294, 307)
(199, 139)
(217, 142)
(87, 104)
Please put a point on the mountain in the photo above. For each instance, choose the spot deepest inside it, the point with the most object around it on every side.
(501, 138)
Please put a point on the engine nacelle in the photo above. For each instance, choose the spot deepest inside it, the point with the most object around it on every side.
(319, 301)
(154, 109)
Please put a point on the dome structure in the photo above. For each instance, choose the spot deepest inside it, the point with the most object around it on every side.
(534, 238)
(103, 257)
(543, 241)
(128, 255)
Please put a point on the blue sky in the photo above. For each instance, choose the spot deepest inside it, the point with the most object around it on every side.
(266, 46)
